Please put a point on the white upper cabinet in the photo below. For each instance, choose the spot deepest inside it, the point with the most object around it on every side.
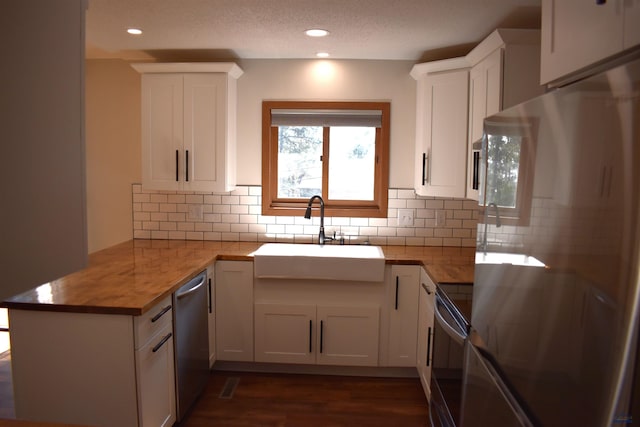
(441, 127)
(578, 33)
(189, 126)
(505, 72)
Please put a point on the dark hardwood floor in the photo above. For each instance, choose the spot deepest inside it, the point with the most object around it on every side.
(310, 400)
(287, 400)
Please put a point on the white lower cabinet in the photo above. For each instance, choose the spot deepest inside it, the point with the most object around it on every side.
(105, 370)
(310, 334)
(234, 310)
(156, 380)
(348, 336)
(402, 295)
(285, 333)
(424, 359)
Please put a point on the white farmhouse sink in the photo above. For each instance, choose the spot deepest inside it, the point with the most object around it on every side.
(328, 262)
(507, 258)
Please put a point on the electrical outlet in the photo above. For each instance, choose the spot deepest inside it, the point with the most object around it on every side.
(405, 217)
(441, 218)
(195, 213)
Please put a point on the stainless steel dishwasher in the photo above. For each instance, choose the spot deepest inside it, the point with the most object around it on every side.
(191, 340)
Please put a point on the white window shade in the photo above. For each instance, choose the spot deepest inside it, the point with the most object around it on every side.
(364, 118)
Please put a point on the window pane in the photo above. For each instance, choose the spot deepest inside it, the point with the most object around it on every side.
(352, 153)
(299, 165)
(502, 169)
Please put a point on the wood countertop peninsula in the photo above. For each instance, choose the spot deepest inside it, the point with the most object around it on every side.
(132, 277)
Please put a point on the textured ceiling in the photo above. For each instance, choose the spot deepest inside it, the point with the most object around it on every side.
(359, 29)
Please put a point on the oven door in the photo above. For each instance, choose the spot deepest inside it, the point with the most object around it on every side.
(451, 332)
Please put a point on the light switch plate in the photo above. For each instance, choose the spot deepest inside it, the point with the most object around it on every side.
(441, 218)
(405, 217)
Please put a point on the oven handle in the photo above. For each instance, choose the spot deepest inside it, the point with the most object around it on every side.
(455, 335)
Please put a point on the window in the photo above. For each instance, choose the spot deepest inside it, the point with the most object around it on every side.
(508, 170)
(338, 150)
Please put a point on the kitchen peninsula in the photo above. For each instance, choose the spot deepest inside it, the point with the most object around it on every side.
(85, 328)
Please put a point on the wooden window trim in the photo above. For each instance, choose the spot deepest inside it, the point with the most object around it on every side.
(271, 205)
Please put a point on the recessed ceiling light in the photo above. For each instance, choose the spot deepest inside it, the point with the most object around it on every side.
(134, 31)
(316, 32)
(322, 55)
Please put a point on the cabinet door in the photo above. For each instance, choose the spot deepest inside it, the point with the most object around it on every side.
(424, 358)
(234, 310)
(576, 34)
(204, 131)
(156, 381)
(426, 334)
(442, 132)
(162, 132)
(211, 306)
(348, 335)
(403, 317)
(485, 99)
(285, 333)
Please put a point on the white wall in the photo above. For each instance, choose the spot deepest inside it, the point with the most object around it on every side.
(323, 80)
(113, 150)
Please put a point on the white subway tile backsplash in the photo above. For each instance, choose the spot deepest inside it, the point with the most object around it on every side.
(197, 199)
(214, 199)
(434, 204)
(158, 216)
(150, 207)
(240, 191)
(406, 194)
(398, 203)
(237, 216)
(158, 198)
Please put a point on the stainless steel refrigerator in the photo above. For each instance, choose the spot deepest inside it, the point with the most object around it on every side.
(554, 325)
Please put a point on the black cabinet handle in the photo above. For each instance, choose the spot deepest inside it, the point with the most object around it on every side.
(186, 175)
(429, 346)
(424, 168)
(321, 334)
(310, 335)
(159, 315)
(397, 286)
(601, 1)
(161, 343)
(210, 305)
(476, 170)
(426, 288)
(177, 165)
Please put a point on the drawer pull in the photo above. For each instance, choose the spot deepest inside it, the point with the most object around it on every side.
(162, 341)
(159, 315)
(397, 286)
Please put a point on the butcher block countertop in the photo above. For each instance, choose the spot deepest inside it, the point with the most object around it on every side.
(132, 277)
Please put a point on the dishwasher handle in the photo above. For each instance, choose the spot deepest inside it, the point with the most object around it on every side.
(189, 291)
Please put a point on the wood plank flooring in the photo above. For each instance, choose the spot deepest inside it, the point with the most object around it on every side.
(310, 400)
(291, 400)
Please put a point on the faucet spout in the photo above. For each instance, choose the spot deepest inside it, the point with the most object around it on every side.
(321, 237)
(486, 215)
